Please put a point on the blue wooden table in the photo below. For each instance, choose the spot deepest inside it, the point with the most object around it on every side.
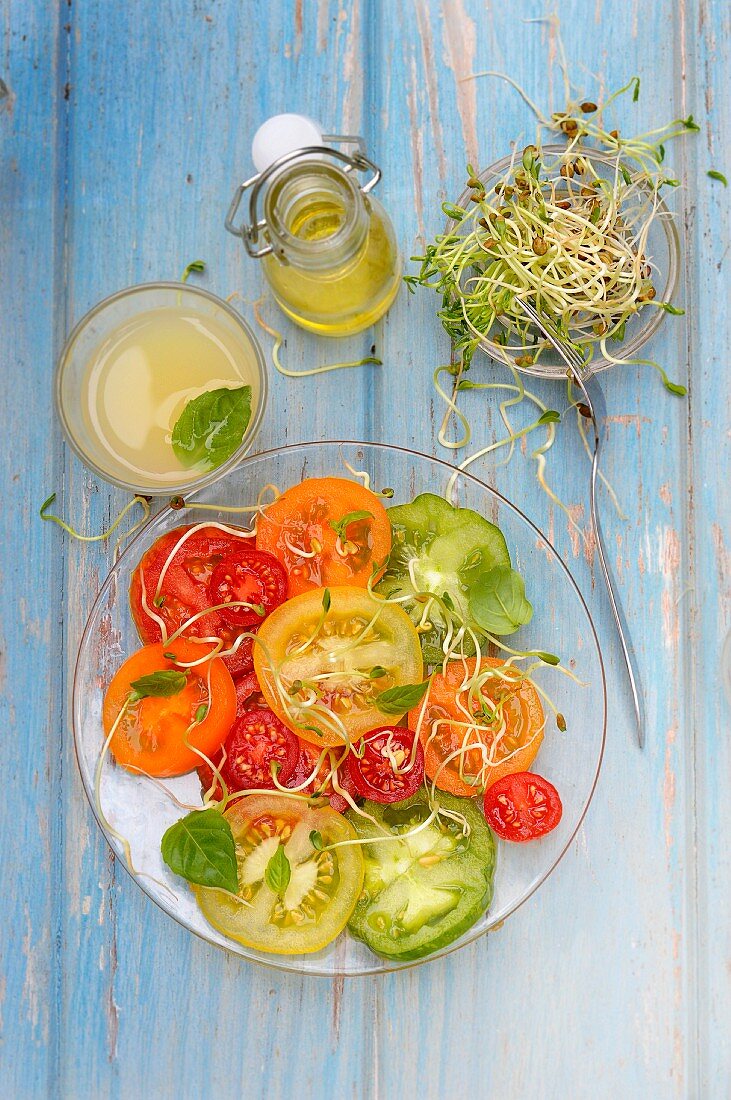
(126, 128)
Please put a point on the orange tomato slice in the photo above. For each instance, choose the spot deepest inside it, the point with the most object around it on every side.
(151, 736)
(490, 748)
(306, 529)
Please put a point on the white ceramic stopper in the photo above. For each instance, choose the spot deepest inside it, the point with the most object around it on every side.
(282, 134)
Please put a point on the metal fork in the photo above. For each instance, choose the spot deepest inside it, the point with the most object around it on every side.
(595, 410)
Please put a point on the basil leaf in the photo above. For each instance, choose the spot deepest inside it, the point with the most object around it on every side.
(397, 700)
(211, 426)
(340, 526)
(497, 601)
(161, 684)
(200, 848)
(278, 871)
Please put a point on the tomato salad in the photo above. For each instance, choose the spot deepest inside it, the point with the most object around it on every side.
(330, 674)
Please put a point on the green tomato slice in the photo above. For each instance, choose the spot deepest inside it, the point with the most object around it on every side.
(439, 549)
(423, 892)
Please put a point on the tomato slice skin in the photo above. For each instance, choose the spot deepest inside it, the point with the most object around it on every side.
(334, 650)
(250, 575)
(444, 726)
(522, 806)
(184, 590)
(324, 885)
(373, 774)
(302, 518)
(152, 738)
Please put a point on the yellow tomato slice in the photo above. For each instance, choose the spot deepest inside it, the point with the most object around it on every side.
(323, 886)
(332, 664)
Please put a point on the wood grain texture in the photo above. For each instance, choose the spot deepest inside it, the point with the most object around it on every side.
(127, 129)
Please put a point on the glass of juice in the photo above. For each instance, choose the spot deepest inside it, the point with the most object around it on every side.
(132, 366)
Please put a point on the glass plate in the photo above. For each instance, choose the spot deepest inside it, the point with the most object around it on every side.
(140, 811)
(662, 250)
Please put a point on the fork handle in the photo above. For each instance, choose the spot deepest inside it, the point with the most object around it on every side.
(595, 402)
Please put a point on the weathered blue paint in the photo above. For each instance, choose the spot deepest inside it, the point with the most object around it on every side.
(127, 127)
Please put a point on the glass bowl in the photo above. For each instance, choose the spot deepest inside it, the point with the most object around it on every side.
(662, 251)
(140, 811)
(95, 329)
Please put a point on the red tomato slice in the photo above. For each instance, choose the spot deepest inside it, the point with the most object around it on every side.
(256, 741)
(184, 590)
(303, 528)
(309, 755)
(241, 662)
(522, 806)
(250, 575)
(248, 694)
(374, 775)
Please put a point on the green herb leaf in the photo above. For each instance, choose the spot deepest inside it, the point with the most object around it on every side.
(497, 601)
(625, 174)
(431, 654)
(636, 92)
(201, 713)
(397, 700)
(714, 175)
(161, 684)
(377, 672)
(660, 153)
(211, 426)
(170, 656)
(46, 504)
(316, 840)
(200, 848)
(340, 526)
(550, 416)
(326, 600)
(674, 310)
(196, 265)
(690, 123)
(278, 871)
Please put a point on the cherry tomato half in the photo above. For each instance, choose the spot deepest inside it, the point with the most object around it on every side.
(385, 771)
(522, 806)
(151, 735)
(307, 529)
(249, 575)
(257, 741)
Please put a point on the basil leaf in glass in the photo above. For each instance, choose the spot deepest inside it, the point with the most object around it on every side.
(498, 603)
(211, 427)
(200, 848)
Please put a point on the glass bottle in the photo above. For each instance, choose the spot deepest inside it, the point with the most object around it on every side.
(327, 245)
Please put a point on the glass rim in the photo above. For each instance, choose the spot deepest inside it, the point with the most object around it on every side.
(187, 484)
(655, 317)
(472, 935)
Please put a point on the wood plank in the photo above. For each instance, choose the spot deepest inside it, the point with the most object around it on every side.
(31, 593)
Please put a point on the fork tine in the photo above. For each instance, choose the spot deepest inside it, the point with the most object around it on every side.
(562, 346)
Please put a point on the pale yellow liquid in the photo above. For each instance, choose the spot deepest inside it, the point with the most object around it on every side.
(344, 300)
(140, 379)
